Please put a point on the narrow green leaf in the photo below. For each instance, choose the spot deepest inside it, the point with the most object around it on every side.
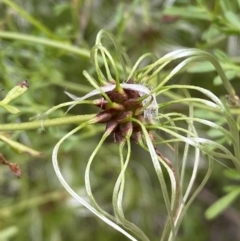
(230, 75)
(201, 67)
(232, 174)
(72, 192)
(34, 21)
(226, 5)
(230, 188)
(191, 12)
(9, 232)
(15, 92)
(20, 147)
(213, 133)
(219, 206)
(200, 113)
(221, 55)
(210, 34)
(11, 109)
(232, 19)
(60, 8)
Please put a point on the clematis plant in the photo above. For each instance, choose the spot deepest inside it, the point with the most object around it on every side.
(128, 100)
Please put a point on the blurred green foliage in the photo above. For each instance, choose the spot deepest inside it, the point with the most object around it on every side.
(35, 207)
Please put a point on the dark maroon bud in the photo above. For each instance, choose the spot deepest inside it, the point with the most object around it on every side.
(136, 127)
(111, 126)
(13, 166)
(114, 106)
(123, 117)
(116, 96)
(24, 83)
(132, 93)
(136, 137)
(133, 104)
(126, 128)
(122, 132)
(103, 117)
(141, 119)
(118, 138)
(101, 103)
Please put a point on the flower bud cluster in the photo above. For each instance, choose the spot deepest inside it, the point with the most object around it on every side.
(126, 105)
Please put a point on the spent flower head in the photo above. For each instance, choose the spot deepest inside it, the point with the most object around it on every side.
(126, 96)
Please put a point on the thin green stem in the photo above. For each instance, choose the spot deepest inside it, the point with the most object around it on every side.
(44, 41)
(118, 194)
(157, 165)
(46, 123)
(31, 202)
(71, 191)
(185, 205)
(30, 18)
(88, 182)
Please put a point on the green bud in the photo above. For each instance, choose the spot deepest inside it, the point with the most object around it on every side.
(19, 147)
(15, 92)
(11, 109)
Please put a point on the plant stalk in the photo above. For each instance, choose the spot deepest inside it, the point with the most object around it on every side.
(46, 123)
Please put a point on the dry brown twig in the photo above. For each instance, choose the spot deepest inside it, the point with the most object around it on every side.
(13, 166)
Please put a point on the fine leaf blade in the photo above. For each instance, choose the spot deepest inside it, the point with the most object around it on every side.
(222, 204)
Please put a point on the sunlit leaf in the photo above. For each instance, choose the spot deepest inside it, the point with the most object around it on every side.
(9, 232)
(14, 93)
(221, 204)
(229, 73)
(233, 19)
(191, 12)
(20, 147)
(221, 55)
(232, 174)
(201, 67)
(10, 108)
